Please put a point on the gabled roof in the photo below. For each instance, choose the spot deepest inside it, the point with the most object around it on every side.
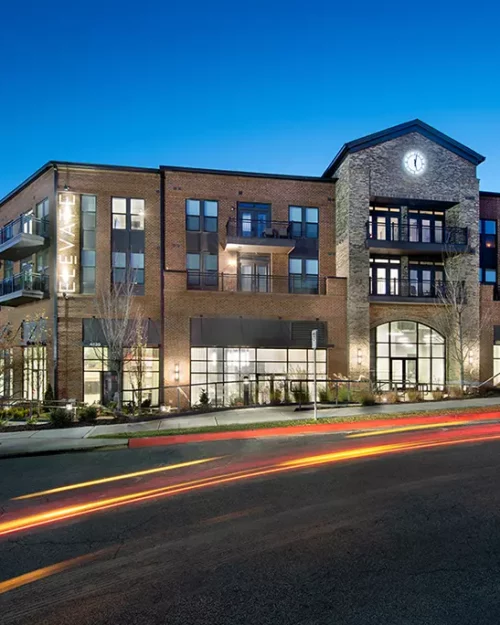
(416, 125)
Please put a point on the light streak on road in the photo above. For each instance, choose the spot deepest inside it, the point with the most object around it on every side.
(47, 571)
(78, 510)
(116, 478)
(409, 428)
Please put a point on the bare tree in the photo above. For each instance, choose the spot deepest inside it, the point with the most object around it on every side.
(35, 357)
(457, 317)
(117, 319)
(135, 356)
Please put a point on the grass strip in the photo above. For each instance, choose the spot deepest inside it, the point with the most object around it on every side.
(236, 427)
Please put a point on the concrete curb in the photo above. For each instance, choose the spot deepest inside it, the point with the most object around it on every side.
(300, 430)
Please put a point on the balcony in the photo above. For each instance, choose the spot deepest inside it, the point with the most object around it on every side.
(23, 288)
(413, 292)
(294, 284)
(260, 237)
(22, 237)
(414, 240)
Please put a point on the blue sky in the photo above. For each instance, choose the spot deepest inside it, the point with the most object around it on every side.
(265, 86)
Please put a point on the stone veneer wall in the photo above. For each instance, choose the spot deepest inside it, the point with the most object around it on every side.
(378, 172)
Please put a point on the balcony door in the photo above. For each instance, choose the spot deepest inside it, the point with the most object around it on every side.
(384, 225)
(253, 219)
(385, 275)
(426, 280)
(254, 274)
(426, 227)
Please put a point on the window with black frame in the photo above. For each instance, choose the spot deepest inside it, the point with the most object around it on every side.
(487, 251)
(303, 275)
(303, 222)
(202, 270)
(202, 215)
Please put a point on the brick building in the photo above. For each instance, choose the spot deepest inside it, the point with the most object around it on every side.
(232, 271)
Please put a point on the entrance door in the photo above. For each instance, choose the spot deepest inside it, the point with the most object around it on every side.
(254, 275)
(252, 222)
(109, 386)
(384, 226)
(403, 372)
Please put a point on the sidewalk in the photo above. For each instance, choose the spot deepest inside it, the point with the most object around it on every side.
(79, 438)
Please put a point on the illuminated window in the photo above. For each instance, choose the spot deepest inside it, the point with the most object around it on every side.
(95, 361)
(6, 377)
(141, 375)
(119, 213)
(136, 214)
(496, 365)
(34, 372)
(303, 275)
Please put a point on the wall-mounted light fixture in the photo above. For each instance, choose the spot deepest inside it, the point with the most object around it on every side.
(232, 262)
(176, 372)
(359, 359)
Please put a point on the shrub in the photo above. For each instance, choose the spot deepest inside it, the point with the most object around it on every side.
(17, 413)
(61, 418)
(325, 394)
(455, 392)
(343, 394)
(391, 397)
(48, 398)
(204, 399)
(88, 414)
(301, 394)
(146, 403)
(236, 400)
(366, 398)
(437, 395)
(275, 397)
(414, 395)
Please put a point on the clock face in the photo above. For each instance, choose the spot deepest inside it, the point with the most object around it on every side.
(414, 162)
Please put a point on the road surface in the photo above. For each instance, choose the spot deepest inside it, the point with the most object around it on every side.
(314, 529)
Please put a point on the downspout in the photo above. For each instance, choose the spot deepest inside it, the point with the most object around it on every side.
(53, 289)
(162, 287)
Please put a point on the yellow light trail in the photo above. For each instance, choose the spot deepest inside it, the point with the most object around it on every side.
(47, 571)
(116, 478)
(77, 510)
(409, 428)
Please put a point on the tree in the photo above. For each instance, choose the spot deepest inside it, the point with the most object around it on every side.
(457, 314)
(35, 357)
(135, 356)
(118, 322)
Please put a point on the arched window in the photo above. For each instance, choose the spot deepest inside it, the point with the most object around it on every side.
(408, 353)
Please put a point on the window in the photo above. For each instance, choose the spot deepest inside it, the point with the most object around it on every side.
(202, 270)
(128, 267)
(119, 211)
(8, 269)
(136, 214)
(88, 206)
(119, 260)
(141, 375)
(488, 251)
(303, 222)
(303, 275)
(496, 365)
(95, 361)
(6, 377)
(34, 372)
(221, 370)
(408, 353)
(42, 262)
(201, 215)
(42, 213)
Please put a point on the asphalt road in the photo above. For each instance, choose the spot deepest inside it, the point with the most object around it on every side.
(404, 538)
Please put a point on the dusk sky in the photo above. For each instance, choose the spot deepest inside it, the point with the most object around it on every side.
(263, 86)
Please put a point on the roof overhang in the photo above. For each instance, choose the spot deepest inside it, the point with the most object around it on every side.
(415, 125)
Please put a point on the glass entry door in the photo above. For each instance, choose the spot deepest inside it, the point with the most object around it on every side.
(426, 228)
(403, 372)
(254, 275)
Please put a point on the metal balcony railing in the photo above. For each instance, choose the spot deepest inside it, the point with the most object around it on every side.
(24, 281)
(27, 224)
(242, 283)
(412, 288)
(415, 233)
(256, 229)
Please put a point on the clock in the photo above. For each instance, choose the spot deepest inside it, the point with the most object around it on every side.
(414, 162)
